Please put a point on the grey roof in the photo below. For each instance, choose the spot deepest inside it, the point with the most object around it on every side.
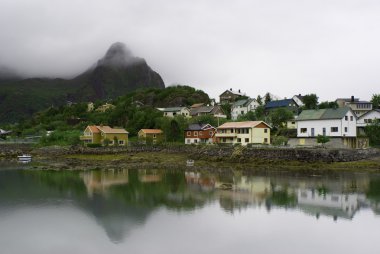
(174, 109)
(323, 114)
(196, 126)
(243, 102)
(203, 109)
(362, 116)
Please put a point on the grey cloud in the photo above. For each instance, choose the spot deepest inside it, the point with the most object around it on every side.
(286, 47)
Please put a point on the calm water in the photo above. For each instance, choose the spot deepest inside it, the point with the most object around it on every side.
(156, 211)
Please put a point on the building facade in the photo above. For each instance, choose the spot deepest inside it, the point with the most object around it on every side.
(104, 135)
(250, 132)
(199, 134)
(150, 136)
(242, 107)
(230, 96)
(357, 106)
(176, 111)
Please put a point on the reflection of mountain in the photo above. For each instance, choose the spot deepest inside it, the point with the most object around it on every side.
(122, 200)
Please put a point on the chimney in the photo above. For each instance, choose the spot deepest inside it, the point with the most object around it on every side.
(352, 98)
(239, 90)
(230, 89)
(299, 95)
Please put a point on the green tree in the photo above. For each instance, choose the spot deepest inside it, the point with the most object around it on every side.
(323, 139)
(260, 113)
(226, 107)
(376, 100)
(310, 101)
(250, 116)
(267, 98)
(280, 116)
(328, 104)
(373, 133)
(259, 100)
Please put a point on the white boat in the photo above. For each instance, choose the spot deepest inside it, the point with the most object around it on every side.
(190, 163)
(25, 158)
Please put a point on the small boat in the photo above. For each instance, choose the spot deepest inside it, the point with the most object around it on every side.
(190, 163)
(25, 158)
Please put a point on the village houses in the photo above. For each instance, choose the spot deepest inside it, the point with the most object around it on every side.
(367, 119)
(230, 96)
(358, 107)
(337, 124)
(242, 107)
(176, 111)
(249, 132)
(199, 133)
(104, 135)
(153, 136)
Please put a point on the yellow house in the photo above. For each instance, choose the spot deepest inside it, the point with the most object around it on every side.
(104, 135)
(250, 132)
(153, 135)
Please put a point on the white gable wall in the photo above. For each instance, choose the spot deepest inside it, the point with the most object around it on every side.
(364, 120)
(318, 126)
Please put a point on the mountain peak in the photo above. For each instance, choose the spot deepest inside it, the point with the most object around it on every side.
(118, 55)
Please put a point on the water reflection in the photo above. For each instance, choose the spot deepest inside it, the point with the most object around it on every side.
(121, 201)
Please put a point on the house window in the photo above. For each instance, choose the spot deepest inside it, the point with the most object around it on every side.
(188, 141)
(265, 140)
(345, 129)
(210, 133)
(195, 140)
(303, 130)
(154, 135)
(346, 118)
(242, 112)
(188, 133)
(239, 140)
(265, 130)
(247, 140)
(224, 140)
(121, 142)
(195, 133)
(334, 129)
(351, 118)
(200, 133)
(232, 130)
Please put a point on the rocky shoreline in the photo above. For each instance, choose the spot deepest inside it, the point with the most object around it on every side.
(207, 157)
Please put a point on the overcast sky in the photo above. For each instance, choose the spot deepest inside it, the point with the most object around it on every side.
(327, 47)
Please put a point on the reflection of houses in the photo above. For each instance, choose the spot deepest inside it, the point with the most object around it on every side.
(196, 180)
(330, 204)
(99, 181)
(149, 177)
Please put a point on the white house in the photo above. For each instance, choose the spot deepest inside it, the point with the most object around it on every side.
(175, 111)
(366, 119)
(242, 107)
(298, 99)
(338, 124)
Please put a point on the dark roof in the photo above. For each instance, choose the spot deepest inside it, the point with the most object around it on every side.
(280, 103)
(197, 126)
(202, 109)
(323, 114)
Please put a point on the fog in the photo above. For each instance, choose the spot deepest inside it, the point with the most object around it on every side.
(327, 47)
